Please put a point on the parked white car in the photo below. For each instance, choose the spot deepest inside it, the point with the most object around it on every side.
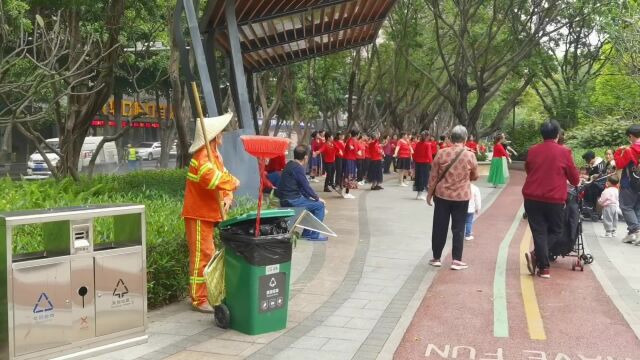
(107, 158)
(149, 150)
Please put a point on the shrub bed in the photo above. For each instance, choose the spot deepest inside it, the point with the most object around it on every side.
(162, 194)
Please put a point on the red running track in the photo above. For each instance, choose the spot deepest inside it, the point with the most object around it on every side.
(455, 319)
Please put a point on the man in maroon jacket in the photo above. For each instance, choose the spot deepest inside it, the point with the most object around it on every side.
(549, 166)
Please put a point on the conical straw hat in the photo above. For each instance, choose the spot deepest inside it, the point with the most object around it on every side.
(213, 127)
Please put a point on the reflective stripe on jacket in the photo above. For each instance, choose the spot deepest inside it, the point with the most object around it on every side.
(207, 185)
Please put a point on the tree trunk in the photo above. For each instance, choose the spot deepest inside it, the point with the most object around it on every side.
(179, 100)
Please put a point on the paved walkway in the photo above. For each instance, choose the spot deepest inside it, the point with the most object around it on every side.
(370, 294)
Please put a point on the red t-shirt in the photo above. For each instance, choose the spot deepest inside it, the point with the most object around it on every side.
(499, 151)
(473, 146)
(316, 144)
(423, 153)
(351, 149)
(339, 149)
(375, 151)
(434, 147)
(328, 151)
(404, 150)
(276, 164)
(362, 148)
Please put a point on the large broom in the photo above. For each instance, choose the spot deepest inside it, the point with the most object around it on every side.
(263, 148)
(196, 97)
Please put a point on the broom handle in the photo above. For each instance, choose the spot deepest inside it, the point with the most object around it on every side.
(196, 97)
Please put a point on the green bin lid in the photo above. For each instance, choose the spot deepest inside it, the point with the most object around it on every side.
(264, 214)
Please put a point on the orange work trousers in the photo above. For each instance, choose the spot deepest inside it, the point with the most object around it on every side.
(201, 250)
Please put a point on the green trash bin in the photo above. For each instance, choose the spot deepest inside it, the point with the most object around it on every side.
(257, 272)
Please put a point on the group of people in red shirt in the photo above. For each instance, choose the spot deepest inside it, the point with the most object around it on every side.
(354, 159)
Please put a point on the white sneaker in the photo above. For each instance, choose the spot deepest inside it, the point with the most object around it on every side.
(314, 180)
(435, 262)
(470, 237)
(630, 238)
(404, 184)
(349, 196)
(608, 235)
(614, 234)
(458, 265)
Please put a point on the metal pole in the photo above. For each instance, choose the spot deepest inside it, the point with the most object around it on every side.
(198, 51)
(244, 106)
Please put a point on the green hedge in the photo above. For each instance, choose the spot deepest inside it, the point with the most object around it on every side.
(160, 191)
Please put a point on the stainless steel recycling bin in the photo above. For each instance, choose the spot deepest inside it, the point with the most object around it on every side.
(82, 291)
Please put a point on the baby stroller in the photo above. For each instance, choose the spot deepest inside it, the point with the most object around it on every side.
(571, 243)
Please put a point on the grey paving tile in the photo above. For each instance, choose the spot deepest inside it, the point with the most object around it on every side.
(360, 323)
(336, 320)
(356, 303)
(310, 342)
(343, 346)
(339, 333)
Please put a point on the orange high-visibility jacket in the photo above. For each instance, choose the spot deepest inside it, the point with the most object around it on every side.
(207, 185)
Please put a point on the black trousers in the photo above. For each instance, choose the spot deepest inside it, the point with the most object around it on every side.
(545, 221)
(362, 170)
(339, 170)
(388, 160)
(330, 168)
(445, 210)
(422, 177)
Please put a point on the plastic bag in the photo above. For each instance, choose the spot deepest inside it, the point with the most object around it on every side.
(261, 251)
(214, 278)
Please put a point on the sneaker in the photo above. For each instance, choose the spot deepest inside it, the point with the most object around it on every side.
(630, 238)
(404, 184)
(361, 183)
(608, 235)
(204, 308)
(469, 238)
(422, 197)
(435, 262)
(614, 234)
(458, 265)
(531, 262)
(544, 273)
(314, 180)
(349, 196)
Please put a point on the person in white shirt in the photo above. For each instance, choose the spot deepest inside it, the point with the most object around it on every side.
(475, 205)
(610, 202)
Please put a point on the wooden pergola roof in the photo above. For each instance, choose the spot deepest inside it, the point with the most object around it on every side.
(278, 32)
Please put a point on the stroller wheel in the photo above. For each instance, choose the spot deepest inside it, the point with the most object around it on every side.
(587, 258)
(222, 316)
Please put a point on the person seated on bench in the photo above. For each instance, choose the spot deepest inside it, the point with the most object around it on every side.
(294, 190)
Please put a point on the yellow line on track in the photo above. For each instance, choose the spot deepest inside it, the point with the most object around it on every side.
(531, 308)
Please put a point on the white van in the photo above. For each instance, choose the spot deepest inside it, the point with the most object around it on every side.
(107, 159)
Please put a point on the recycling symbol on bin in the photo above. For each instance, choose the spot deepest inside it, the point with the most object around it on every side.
(43, 304)
(273, 283)
(121, 289)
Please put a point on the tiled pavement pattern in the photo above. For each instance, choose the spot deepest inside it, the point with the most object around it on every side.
(617, 268)
(352, 297)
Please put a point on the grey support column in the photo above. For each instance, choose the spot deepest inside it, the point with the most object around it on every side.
(198, 51)
(243, 106)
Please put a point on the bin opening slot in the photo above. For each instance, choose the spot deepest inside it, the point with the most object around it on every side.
(81, 236)
(41, 240)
